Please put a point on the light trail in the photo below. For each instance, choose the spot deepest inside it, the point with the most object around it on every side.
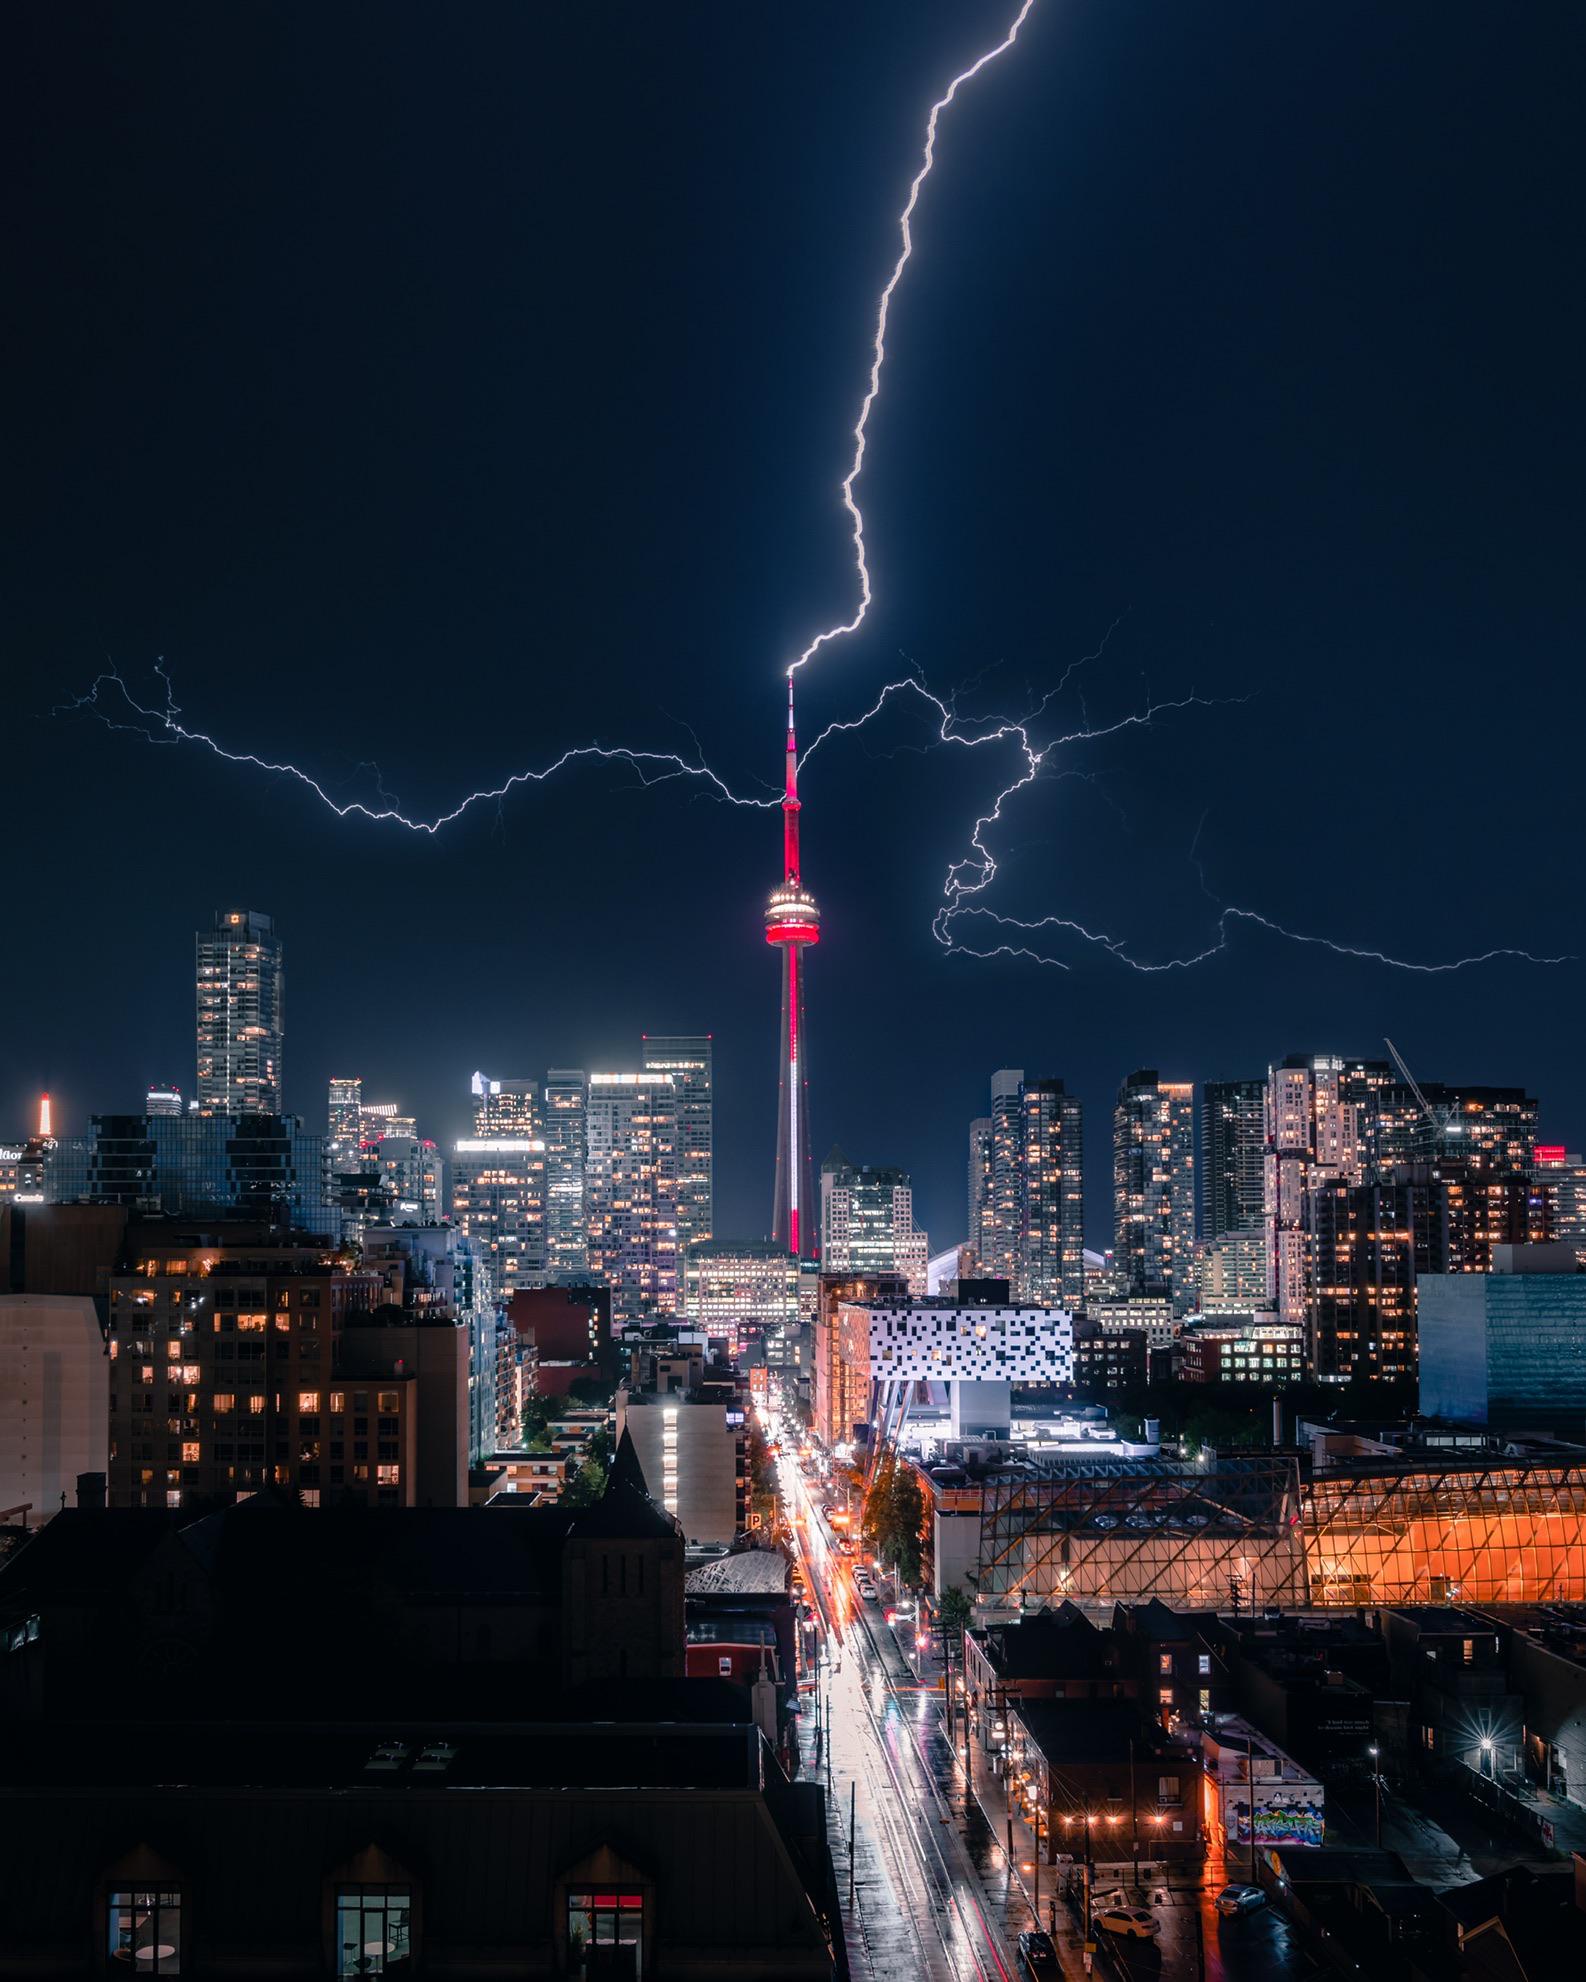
(878, 345)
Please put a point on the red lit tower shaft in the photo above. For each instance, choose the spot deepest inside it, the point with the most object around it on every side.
(792, 922)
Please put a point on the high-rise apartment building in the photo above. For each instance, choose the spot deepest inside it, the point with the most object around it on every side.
(1312, 1139)
(344, 1118)
(241, 1015)
(735, 1289)
(1233, 1138)
(1153, 1173)
(498, 1199)
(867, 1222)
(1002, 1220)
(1052, 1222)
(687, 1058)
(1560, 1176)
(566, 1221)
(506, 1107)
(1026, 1189)
(630, 1190)
(979, 1181)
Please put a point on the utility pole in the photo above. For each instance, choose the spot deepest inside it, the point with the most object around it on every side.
(1376, 1785)
(853, 1784)
(1134, 1812)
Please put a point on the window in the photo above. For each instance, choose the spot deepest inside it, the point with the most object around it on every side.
(308, 1402)
(388, 1400)
(1164, 1662)
(1169, 1791)
(1468, 1650)
(225, 1403)
(372, 1931)
(338, 1401)
(609, 1919)
(256, 1405)
(1165, 1695)
(146, 1932)
(387, 1476)
(1203, 1664)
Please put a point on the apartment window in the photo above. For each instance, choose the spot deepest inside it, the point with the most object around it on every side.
(338, 1401)
(1203, 1665)
(308, 1403)
(190, 1452)
(1169, 1791)
(1467, 1648)
(613, 1918)
(146, 1932)
(373, 1930)
(387, 1401)
(1164, 1662)
(256, 1405)
(1165, 1695)
(388, 1476)
(225, 1402)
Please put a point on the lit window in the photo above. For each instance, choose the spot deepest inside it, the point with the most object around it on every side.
(372, 1929)
(388, 1476)
(146, 1932)
(1165, 1695)
(190, 1453)
(610, 1918)
(225, 1403)
(387, 1400)
(338, 1400)
(1164, 1662)
(256, 1405)
(308, 1402)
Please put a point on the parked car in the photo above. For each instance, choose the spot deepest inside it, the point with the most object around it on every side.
(1039, 1956)
(1240, 1899)
(1128, 1920)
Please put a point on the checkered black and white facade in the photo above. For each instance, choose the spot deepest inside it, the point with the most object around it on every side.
(971, 1345)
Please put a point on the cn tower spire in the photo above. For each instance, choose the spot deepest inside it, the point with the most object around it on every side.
(790, 798)
(792, 923)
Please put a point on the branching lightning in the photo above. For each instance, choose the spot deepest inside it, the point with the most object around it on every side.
(111, 702)
(878, 346)
(162, 724)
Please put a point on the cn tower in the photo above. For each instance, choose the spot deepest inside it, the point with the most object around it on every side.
(792, 921)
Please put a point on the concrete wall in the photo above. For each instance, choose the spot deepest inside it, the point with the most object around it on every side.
(54, 1399)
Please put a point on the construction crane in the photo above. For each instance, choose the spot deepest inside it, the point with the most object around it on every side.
(1442, 1122)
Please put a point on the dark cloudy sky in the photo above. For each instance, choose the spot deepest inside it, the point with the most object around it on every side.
(440, 388)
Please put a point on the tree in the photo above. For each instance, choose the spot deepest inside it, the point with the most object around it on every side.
(954, 1610)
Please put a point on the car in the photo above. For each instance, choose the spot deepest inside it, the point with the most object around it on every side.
(870, 1593)
(1038, 1956)
(1240, 1899)
(905, 1607)
(1128, 1920)
(843, 1545)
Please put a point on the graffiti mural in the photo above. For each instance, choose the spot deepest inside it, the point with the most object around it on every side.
(1292, 1816)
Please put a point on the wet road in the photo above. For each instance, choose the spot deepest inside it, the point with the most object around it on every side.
(920, 1911)
(936, 1895)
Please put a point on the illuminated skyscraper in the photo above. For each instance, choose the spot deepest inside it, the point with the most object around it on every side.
(630, 1191)
(979, 1179)
(688, 1061)
(1153, 1183)
(1002, 1218)
(792, 924)
(1052, 1225)
(867, 1222)
(506, 1107)
(566, 1223)
(498, 1198)
(162, 1100)
(241, 1015)
(1233, 1140)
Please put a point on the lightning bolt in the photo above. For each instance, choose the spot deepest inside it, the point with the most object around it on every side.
(878, 344)
(162, 724)
(110, 701)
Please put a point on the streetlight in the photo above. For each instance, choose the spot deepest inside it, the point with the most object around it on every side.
(1487, 1768)
(1376, 1785)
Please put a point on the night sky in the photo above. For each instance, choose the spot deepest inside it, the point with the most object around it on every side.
(440, 388)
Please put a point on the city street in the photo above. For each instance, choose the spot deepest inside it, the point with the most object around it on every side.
(935, 1893)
